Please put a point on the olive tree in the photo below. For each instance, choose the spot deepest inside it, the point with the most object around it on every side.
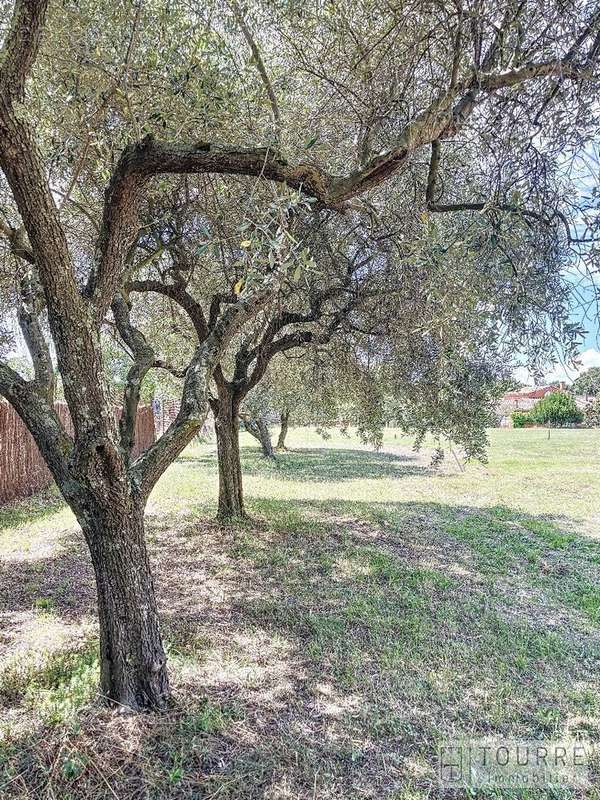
(299, 388)
(308, 306)
(321, 386)
(98, 103)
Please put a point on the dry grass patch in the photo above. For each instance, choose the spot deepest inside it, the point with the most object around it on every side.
(320, 651)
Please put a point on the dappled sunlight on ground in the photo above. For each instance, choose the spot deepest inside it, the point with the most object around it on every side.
(369, 608)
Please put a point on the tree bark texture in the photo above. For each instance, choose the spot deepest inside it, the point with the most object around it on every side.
(258, 428)
(231, 493)
(133, 665)
(285, 420)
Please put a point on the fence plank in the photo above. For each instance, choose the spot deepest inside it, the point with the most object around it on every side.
(22, 468)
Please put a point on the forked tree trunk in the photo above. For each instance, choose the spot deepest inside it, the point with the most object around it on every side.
(285, 419)
(227, 428)
(133, 665)
(257, 427)
(265, 438)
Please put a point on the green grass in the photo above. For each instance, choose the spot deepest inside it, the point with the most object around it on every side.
(369, 609)
(56, 684)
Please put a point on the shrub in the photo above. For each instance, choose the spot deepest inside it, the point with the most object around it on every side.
(520, 419)
(556, 410)
(591, 415)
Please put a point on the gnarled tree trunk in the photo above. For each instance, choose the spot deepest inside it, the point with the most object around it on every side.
(227, 429)
(257, 427)
(284, 419)
(133, 665)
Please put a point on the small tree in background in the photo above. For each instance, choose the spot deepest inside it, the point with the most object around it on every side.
(295, 392)
(556, 410)
(322, 387)
(255, 414)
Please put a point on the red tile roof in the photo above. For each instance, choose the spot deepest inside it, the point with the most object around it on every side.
(532, 394)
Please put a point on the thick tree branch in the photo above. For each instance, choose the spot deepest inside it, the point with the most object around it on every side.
(264, 356)
(78, 356)
(138, 163)
(143, 360)
(17, 242)
(41, 419)
(21, 160)
(180, 295)
(28, 313)
(21, 47)
(215, 306)
(195, 396)
(29, 308)
(443, 119)
(176, 373)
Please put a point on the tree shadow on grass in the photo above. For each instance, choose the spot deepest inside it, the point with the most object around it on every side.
(322, 464)
(324, 650)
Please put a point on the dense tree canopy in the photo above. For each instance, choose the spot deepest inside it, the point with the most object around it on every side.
(588, 382)
(393, 181)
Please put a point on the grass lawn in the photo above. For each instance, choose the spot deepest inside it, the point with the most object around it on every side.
(370, 609)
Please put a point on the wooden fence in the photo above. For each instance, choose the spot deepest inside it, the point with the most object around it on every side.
(22, 468)
(165, 411)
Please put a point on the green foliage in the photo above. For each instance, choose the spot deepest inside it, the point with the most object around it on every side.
(441, 293)
(322, 389)
(56, 684)
(450, 352)
(520, 419)
(591, 414)
(438, 306)
(557, 410)
(588, 382)
(73, 765)
(586, 598)
(208, 718)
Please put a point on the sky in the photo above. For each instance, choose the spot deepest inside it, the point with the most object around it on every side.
(590, 357)
(589, 353)
(585, 173)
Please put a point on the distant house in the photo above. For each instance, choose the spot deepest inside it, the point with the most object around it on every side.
(525, 399)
